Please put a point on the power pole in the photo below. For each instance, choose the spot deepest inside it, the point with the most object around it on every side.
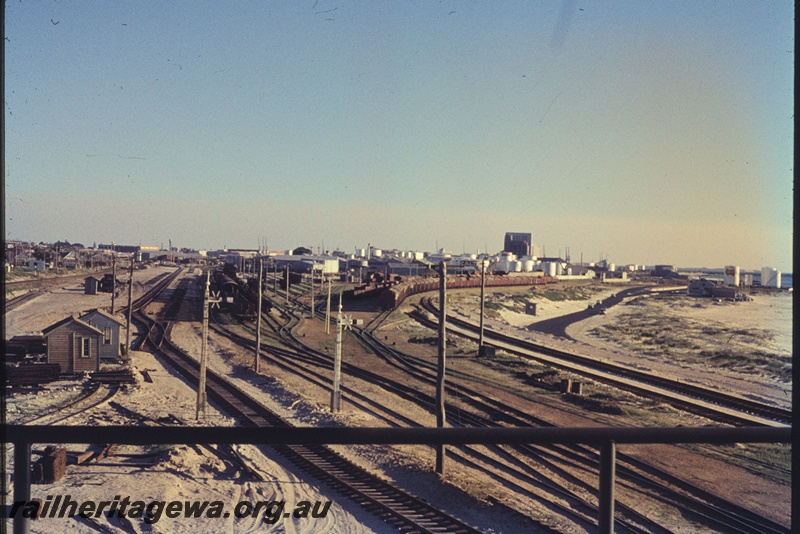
(201, 388)
(483, 302)
(342, 323)
(440, 375)
(113, 280)
(312, 289)
(130, 308)
(287, 284)
(328, 309)
(258, 321)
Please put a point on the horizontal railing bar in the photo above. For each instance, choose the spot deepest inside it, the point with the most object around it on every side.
(381, 436)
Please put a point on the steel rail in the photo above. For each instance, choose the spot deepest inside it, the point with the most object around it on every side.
(395, 506)
(721, 399)
(720, 513)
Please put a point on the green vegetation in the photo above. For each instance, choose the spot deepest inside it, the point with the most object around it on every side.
(652, 333)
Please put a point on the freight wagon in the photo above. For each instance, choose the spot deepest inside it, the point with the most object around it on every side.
(392, 297)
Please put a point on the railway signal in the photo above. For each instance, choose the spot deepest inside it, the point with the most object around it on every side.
(342, 323)
(208, 300)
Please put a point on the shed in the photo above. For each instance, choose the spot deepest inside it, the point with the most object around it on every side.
(91, 285)
(700, 288)
(110, 326)
(74, 345)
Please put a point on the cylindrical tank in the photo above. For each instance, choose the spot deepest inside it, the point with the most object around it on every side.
(770, 277)
(549, 268)
(731, 275)
(612, 266)
(527, 266)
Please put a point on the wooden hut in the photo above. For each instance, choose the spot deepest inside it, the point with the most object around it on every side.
(91, 285)
(111, 328)
(74, 345)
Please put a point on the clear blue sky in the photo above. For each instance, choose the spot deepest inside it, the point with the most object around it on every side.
(649, 132)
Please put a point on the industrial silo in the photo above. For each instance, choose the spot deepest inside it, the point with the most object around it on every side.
(731, 275)
(527, 266)
(770, 277)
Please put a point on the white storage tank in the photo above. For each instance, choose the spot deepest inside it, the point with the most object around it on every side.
(770, 277)
(731, 275)
(549, 268)
(527, 266)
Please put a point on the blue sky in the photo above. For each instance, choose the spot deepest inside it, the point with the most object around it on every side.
(646, 132)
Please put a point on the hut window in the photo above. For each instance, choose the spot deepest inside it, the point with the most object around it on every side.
(107, 335)
(86, 347)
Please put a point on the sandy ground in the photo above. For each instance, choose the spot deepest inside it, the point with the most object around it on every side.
(191, 473)
(187, 472)
(761, 325)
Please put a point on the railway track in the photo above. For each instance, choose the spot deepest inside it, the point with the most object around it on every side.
(677, 393)
(397, 508)
(20, 300)
(97, 395)
(691, 500)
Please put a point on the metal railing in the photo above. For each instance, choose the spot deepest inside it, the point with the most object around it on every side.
(605, 438)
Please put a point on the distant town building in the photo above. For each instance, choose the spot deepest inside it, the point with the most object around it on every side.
(517, 243)
(665, 271)
(39, 265)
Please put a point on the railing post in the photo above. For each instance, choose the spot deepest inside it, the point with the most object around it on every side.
(608, 454)
(22, 484)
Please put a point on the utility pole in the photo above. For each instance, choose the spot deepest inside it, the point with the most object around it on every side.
(328, 309)
(312, 289)
(341, 324)
(483, 302)
(440, 375)
(287, 284)
(130, 308)
(201, 388)
(113, 280)
(258, 320)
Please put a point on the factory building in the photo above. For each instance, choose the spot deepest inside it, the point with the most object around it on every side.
(665, 271)
(518, 244)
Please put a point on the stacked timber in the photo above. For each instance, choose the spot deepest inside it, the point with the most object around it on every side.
(32, 375)
(122, 376)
